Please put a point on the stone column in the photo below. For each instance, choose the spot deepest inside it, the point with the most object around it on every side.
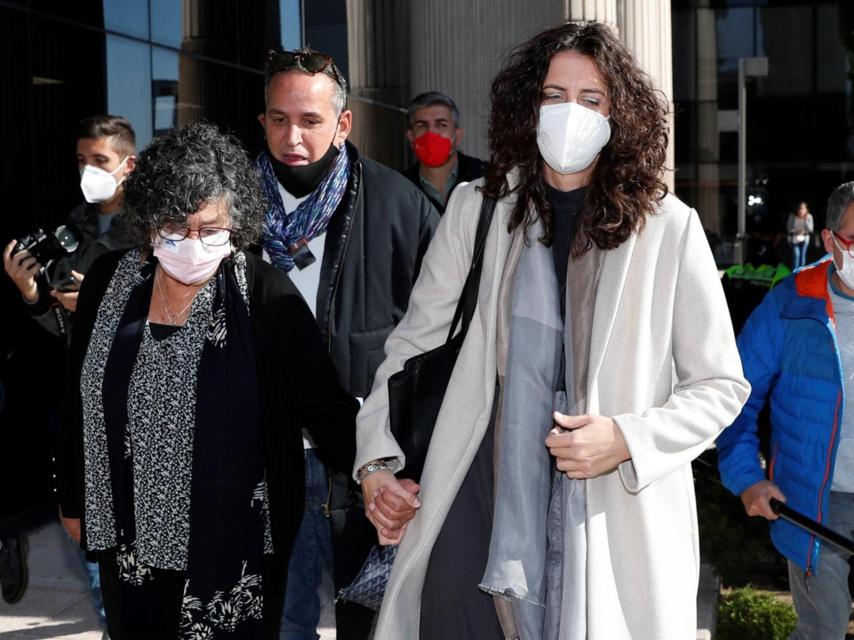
(646, 31)
(378, 51)
(457, 48)
(709, 203)
(594, 10)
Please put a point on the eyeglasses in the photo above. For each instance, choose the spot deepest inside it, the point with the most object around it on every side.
(847, 245)
(311, 61)
(209, 236)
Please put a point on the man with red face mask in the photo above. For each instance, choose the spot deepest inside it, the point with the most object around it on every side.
(434, 134)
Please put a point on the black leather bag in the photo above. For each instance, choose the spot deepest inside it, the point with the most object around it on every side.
(415, 394)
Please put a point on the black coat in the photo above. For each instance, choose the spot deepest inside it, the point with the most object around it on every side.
(469, 169)
(374, 245)
(299, 389)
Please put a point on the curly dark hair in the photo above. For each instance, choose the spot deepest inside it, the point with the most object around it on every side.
(626, 183)
(184, 169)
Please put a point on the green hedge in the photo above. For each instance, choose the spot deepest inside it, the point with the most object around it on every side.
(747, 614)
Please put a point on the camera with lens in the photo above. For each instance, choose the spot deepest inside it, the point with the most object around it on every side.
(49, 249)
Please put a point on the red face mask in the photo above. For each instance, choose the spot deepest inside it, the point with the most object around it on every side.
(432, 149)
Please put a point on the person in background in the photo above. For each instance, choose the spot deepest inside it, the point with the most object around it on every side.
(435, 135)
(106, 156)
(181, 462)
(558, 497)
(799, 228)
(797, 348)
(350, 233)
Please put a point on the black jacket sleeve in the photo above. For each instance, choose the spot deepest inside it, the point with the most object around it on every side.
(303, 369)
(319, 403)
(70, 451)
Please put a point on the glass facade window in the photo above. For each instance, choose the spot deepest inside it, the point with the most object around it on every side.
(160, 63)
(129, 93)
(799, 117)
(164, 88)
(166, 22)
(127, 16)
(290, 14)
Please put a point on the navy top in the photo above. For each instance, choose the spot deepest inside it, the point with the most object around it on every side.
(567, 206)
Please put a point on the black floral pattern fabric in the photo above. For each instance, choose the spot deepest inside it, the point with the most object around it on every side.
(174, 472)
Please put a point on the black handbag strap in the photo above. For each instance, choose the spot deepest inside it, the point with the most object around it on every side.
(468, 297)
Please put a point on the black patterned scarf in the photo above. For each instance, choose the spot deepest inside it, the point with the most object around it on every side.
(221, 553)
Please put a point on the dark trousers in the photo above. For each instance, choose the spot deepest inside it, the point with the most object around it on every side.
(452, 605)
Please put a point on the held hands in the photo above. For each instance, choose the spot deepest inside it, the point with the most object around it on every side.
(389, 504)
(68, 298)
(22, 268)
(757, 499)
(586, 446)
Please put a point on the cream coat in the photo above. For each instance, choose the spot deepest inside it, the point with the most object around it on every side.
(663, 364)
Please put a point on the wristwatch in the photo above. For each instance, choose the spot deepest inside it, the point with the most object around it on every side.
(371, 467)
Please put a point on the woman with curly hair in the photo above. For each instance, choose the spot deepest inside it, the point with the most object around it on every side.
(557, 496)
(194, 367)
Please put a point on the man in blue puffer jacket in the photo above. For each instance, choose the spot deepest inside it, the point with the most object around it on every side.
(797, 349)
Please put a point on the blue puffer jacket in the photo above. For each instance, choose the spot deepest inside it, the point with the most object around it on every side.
(790, 356)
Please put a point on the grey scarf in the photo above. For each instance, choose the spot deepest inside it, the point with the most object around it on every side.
(537, 554)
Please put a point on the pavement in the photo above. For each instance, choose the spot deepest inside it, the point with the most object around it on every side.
(58, 604)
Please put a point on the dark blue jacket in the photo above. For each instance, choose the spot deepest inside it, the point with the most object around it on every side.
(790, 356)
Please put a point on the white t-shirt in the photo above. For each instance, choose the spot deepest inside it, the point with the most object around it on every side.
(305, 280)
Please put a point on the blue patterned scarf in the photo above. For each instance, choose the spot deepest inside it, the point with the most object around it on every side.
(311, 217)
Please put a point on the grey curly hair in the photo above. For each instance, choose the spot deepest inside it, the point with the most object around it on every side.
(181, 171)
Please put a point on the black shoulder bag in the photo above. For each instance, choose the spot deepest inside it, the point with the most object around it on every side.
(415, 397)
(415, 394)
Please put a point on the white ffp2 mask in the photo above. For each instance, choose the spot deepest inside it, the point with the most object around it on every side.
(189, 260)
(571, 136)
(846, 270)
(99, 185)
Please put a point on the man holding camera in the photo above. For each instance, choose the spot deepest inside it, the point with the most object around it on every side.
(48, 268)
(106, 148)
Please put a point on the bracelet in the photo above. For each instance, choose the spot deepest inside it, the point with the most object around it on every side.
(371, 467)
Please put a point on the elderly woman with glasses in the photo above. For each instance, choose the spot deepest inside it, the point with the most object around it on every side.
(194, 368)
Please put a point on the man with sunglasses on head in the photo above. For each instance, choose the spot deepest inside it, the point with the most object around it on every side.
(434, 135)
(351, 234)
(797, 349)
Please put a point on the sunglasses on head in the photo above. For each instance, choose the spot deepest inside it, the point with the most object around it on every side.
(310, 61)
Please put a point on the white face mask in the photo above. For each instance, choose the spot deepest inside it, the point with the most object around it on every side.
(846, 271)
(571, 136)
(98, 185)
(189, 261)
